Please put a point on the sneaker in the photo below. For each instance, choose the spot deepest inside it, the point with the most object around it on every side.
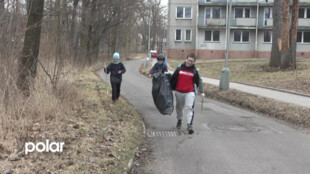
(179, 124)
(190, 129)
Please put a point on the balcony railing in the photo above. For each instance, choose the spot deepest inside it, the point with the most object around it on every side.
(246, 21)
(268, 22)
(304, 22)
(215, 22)
(246, 0)
(269, 1)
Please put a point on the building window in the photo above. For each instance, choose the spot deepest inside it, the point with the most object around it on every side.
(303, 37)
(178, 35)
(213, 13)
(267, 36)
(212, 36)
(299, 35)
(304, 13)
(268, 15)
(241, 36)
(184, 12)
(188, 35)
(208, 0)
(242, 12)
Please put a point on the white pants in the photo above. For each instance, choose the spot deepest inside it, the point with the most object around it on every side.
(185, 102)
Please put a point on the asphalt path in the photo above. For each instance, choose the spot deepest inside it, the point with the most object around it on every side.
(227, 140)
(283, 96)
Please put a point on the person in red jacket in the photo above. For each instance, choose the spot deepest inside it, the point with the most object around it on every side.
(185, 81)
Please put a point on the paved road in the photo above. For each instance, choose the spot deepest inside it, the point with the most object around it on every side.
(227, 140)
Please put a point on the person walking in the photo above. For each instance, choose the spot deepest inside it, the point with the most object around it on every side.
(159, 66)
(116, 68)
(185, 80)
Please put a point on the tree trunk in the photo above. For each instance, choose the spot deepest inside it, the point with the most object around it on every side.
(293, 34)
(93, 30)
(1, 7)
(84, 40)
(28, 60)
(285, 51)
(58, 58)
(73, 35)
(275, 59)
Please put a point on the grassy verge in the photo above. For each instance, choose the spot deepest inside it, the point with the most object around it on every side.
(100, 137)
(290, 113)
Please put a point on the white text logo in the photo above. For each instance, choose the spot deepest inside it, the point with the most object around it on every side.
(41, 147)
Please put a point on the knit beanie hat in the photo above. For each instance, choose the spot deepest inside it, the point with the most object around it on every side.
(161, 57)
(116, 55)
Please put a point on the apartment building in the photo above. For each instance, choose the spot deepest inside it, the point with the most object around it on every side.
(199, 26)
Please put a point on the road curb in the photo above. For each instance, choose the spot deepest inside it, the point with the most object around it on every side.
(130, 163)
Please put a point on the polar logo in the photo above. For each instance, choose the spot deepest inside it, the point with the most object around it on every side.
(41, 147)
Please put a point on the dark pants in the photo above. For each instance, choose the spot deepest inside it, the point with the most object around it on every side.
(116, 89)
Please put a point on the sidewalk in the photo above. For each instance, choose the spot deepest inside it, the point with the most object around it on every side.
(269, 93)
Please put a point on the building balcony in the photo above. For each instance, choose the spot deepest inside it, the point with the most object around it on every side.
(268, 1)
(212, 4)
(215, 22)
(248, 1)
(249, 22)
(268, 22)
(303, 22)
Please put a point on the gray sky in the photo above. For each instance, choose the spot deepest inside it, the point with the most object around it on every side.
(164, 2)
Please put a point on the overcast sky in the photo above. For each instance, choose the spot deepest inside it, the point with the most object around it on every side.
(164, 2)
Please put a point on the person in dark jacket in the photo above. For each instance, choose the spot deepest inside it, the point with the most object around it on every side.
(116, 68)
(159, 66)
(185, 80)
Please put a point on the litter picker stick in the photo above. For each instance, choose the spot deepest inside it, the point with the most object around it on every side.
(106, 74)
(202, 97)
(105, 69)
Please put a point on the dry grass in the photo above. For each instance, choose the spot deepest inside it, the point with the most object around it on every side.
(99, 137)
(145, 68)
(291, 113)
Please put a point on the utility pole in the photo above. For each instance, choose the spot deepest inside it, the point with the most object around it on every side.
(147, 59)
(149, 39)
(225, 73)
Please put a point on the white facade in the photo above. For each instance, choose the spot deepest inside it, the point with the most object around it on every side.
(251, 28)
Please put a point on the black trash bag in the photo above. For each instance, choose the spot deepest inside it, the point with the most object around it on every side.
(162, 93)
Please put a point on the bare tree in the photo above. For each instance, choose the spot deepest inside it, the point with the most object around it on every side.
(285, 51)
(294, 29)
(284, 40)
(278, 34)
(73, 35)
(28, 60)
(1, 7)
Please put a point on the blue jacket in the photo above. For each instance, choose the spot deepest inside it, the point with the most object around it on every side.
(158, 68)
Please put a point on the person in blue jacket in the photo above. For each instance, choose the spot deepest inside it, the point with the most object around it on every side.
(160, 66)
(116, 68)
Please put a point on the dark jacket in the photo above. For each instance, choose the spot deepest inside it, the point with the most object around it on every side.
(197, 79)
(158, 68)
(115, 77)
